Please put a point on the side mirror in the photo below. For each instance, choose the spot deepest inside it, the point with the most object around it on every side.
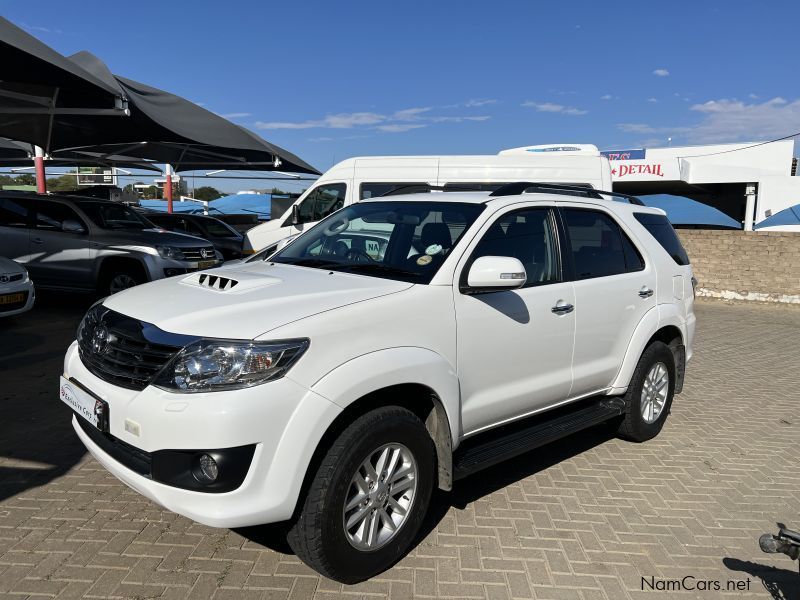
(495, 273)
(295, 220)
(70, 226)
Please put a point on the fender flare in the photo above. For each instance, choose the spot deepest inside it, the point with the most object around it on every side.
(389, 367)
(663, 315)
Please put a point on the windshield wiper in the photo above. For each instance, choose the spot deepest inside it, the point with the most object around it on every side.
(311, 262)
(379, 268)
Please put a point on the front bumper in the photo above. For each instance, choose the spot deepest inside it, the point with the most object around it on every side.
(282, 419)
(159, 268)
(21, 287)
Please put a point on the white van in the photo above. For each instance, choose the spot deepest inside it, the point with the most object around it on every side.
(364, 177)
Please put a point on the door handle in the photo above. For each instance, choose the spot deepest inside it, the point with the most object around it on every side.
(645, 292)
(37, 240)
(562, 308)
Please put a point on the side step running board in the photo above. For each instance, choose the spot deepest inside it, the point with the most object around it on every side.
(512, 440)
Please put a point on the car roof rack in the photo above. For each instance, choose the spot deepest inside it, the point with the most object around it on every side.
(520, 187)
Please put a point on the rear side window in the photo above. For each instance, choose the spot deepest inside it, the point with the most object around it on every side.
(51, 215)
(376, 189)
(661, 229)
(13, 213)
(599, 247)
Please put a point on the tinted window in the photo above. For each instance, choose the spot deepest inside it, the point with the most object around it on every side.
(599, 247)
(322, 201)
(13, 213)
(661, 229)
(219, 228)
(110, 215)
(528, 236)
(373, 189)
(51, 215)
(474, 187)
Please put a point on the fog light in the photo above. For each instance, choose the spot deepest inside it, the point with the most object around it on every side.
(208, 469)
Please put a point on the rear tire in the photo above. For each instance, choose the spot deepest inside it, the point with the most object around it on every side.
(649, 396)
(320, 536)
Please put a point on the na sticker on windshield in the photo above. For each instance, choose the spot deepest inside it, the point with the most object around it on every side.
(433, 249)
(424, 260)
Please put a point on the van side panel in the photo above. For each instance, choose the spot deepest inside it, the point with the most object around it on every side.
(579, 170)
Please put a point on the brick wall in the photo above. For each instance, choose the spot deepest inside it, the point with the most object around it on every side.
(745, 265)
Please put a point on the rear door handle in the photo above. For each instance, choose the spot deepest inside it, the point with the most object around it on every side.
(562, 308)
(645, 292)
(37, 240)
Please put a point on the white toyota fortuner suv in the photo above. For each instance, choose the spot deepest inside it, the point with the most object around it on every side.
(397, 346)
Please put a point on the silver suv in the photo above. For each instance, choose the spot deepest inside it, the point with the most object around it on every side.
(93, 245)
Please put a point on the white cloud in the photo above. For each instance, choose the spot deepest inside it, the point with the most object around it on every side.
(409, 114)
(661, 73)
(479, 102)
(606, 97)
(396, 122)
(337, 121)
(320, 139)
(550, 107)
(753, 96)
(460, 119)
(731, 120)
(652, 99)
(236, 115)
(398, 127)
(734, 120)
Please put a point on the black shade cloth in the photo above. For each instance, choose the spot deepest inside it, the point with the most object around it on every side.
(76, 104)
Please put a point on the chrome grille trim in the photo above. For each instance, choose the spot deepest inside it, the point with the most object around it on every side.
(128, 353)
(200, 253)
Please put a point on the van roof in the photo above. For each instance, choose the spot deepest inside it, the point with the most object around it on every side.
(487, 198)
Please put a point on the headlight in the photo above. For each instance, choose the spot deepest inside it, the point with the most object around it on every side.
(170, 252)
(212, 365)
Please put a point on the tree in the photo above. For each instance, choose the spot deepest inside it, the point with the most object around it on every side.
(206, 192)
(63, 183)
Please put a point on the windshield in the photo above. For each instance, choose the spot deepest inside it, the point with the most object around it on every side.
(408, 241)
(110, 215)
(219, 229)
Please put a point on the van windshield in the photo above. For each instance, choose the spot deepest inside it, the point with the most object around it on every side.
(407, 241)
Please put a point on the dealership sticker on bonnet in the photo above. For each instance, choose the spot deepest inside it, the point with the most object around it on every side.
(91, 409)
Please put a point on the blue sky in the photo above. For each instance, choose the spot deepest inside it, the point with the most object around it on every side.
(328, 80)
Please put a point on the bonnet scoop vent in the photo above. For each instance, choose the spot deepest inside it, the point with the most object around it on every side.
(217, 282)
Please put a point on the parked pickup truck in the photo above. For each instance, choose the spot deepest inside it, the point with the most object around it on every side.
(76, 243)
(336, 383)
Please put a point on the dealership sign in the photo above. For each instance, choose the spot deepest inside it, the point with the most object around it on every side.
(641, 165)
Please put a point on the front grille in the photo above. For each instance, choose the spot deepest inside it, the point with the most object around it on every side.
(123, 350)
(15, 305)
(204, 253)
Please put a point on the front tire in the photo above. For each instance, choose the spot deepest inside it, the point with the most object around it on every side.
(649, 396)
(368, 497)
(116, 278)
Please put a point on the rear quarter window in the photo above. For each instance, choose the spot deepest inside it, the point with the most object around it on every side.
(661, 229)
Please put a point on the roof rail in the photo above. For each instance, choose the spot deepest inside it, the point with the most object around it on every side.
(520, 187)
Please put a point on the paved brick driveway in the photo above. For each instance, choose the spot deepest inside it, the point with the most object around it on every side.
(588, 517)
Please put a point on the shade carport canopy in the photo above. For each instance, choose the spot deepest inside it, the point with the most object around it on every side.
(166, 128)
(20, 155)
(39, 86)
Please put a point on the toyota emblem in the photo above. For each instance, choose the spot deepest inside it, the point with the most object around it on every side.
(100, 339)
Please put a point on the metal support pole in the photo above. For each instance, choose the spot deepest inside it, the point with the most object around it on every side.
(168, 188)
(750, 206)
(41, 176)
